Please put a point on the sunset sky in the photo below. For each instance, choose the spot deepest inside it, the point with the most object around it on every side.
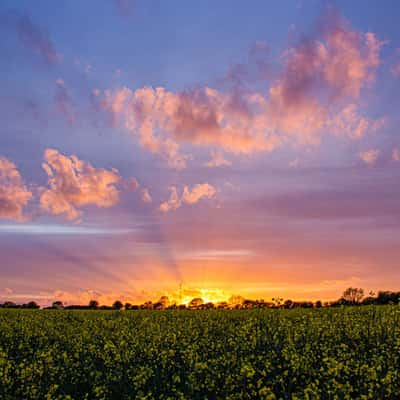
(234, 147)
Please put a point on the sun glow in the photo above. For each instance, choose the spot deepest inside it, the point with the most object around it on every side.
(208, 295)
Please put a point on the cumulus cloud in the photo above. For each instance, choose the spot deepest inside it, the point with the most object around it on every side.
(163, 120)
(317, 91)
(14, 195)
(369, 156)
(217, 160)
(189, 196)
(74, 183)
(63, 102)
(320, 75)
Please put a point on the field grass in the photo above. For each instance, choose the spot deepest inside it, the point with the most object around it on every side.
(342, 353)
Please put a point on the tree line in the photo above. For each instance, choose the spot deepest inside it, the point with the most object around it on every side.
(350, 297)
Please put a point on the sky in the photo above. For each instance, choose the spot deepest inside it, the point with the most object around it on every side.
(228, 147)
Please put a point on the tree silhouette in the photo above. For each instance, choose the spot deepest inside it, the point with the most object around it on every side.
(164, 301)
(31, 304)
(58, 305)
(353, 295)
(196, 302)
(93, 304)
(117, 305)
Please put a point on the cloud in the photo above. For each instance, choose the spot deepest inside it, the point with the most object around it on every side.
(38, 229)
(189, 196)
(321, 74)
(369, 156)
(35, 39)
(146, 196)
(198, 191)
(63, 102)
(396, 154)
(173, 203)
(14, 195)
(164, 120)
(131, 184)
(74, 183)
(217, 160)
(349, 123)
(316, 92)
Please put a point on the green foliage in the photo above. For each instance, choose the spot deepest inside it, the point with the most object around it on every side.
(335, 353)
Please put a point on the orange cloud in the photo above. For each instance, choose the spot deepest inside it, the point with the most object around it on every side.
(74, 183)
(189, 196)
(370, 156)
(14, 195)
(173, 202)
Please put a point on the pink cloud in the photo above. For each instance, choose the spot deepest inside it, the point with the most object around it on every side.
(348, 122)
(173, 203)
(317, 92)
(321, 74)
(189, 196)
(14, 195)
(74, 183)
(217, 160)
(146, 196)
(164, 120)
